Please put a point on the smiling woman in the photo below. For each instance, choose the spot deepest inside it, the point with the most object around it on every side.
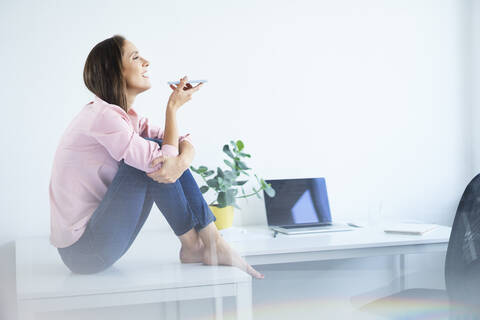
(134, 69)
(114, 71)
(100, 196)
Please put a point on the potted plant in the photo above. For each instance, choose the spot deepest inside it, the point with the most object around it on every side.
(225, 184)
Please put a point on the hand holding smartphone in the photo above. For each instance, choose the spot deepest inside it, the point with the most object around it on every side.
(188, 81)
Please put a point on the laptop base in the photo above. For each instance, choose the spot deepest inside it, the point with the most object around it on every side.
(317, 229)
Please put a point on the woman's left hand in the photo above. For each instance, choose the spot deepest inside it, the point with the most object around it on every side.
(172, 168)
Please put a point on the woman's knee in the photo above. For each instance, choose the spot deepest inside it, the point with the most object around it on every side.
(187, 176)
(130, 171)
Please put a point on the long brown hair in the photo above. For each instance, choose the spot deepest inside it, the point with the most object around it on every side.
(102, 73)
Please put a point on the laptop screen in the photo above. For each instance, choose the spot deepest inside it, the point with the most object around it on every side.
(298, 202)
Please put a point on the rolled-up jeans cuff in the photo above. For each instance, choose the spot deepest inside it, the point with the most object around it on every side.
(211, 219)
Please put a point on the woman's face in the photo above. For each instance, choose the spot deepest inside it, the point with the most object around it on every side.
(134, 68)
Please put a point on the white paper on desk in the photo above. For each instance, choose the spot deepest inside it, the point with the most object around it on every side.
(410, 228)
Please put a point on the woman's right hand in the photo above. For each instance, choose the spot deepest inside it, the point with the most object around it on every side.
(172, 168)
(182, 93)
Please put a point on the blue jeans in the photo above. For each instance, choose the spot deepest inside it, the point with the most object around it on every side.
(115, 223)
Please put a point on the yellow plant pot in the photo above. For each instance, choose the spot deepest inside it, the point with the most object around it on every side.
(224, 216)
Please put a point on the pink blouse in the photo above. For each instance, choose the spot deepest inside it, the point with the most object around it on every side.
(87, 159)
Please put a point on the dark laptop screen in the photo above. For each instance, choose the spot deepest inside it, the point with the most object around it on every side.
(298, 202)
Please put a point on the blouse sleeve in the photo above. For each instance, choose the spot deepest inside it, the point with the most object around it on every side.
(156, 132)
(149, 130)
(114, 131)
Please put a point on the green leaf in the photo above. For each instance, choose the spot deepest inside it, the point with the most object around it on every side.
(229, 196)
(202, 169)
(240, 145)
(208, 173)
(212, 183)
(223, 205)
(262, 182)
(244, 155)
(230, 175)
(222, 199)
(228, 163)
(234, 146)
(228, 184)
(193, 169)
(204, 189)
(240, 182)
(220, 172)
(226, 149)
(242, 165)
(270, 191)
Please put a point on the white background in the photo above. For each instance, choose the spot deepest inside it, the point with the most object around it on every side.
(376, 96)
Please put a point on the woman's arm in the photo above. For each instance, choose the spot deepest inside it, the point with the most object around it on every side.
(112, 130)
(181, 94)
(173, 167)
(170, 135)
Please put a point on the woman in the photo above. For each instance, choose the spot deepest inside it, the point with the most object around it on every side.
(111, 166)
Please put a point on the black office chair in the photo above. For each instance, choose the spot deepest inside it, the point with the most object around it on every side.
(461, 299)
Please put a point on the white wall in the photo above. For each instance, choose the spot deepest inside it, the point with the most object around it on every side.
(373, 95)
(368, 95)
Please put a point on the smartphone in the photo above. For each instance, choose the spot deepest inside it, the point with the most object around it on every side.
(188, 81)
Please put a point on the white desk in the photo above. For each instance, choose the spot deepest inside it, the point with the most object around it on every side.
(149, 272)
(259, 247)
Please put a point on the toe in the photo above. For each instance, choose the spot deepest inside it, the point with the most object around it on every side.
(254, 272)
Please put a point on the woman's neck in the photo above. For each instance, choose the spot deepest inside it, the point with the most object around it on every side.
(130, 100)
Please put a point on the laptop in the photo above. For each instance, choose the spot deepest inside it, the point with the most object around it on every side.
(300, 206)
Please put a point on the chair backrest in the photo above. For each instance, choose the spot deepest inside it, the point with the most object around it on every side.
(462, 265)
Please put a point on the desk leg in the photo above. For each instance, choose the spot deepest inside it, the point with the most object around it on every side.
(218, 308)
(171, 310)
(402, 274)
(244, 301)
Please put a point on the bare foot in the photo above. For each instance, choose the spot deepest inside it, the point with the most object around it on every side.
(220, 253)
(192, 255)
